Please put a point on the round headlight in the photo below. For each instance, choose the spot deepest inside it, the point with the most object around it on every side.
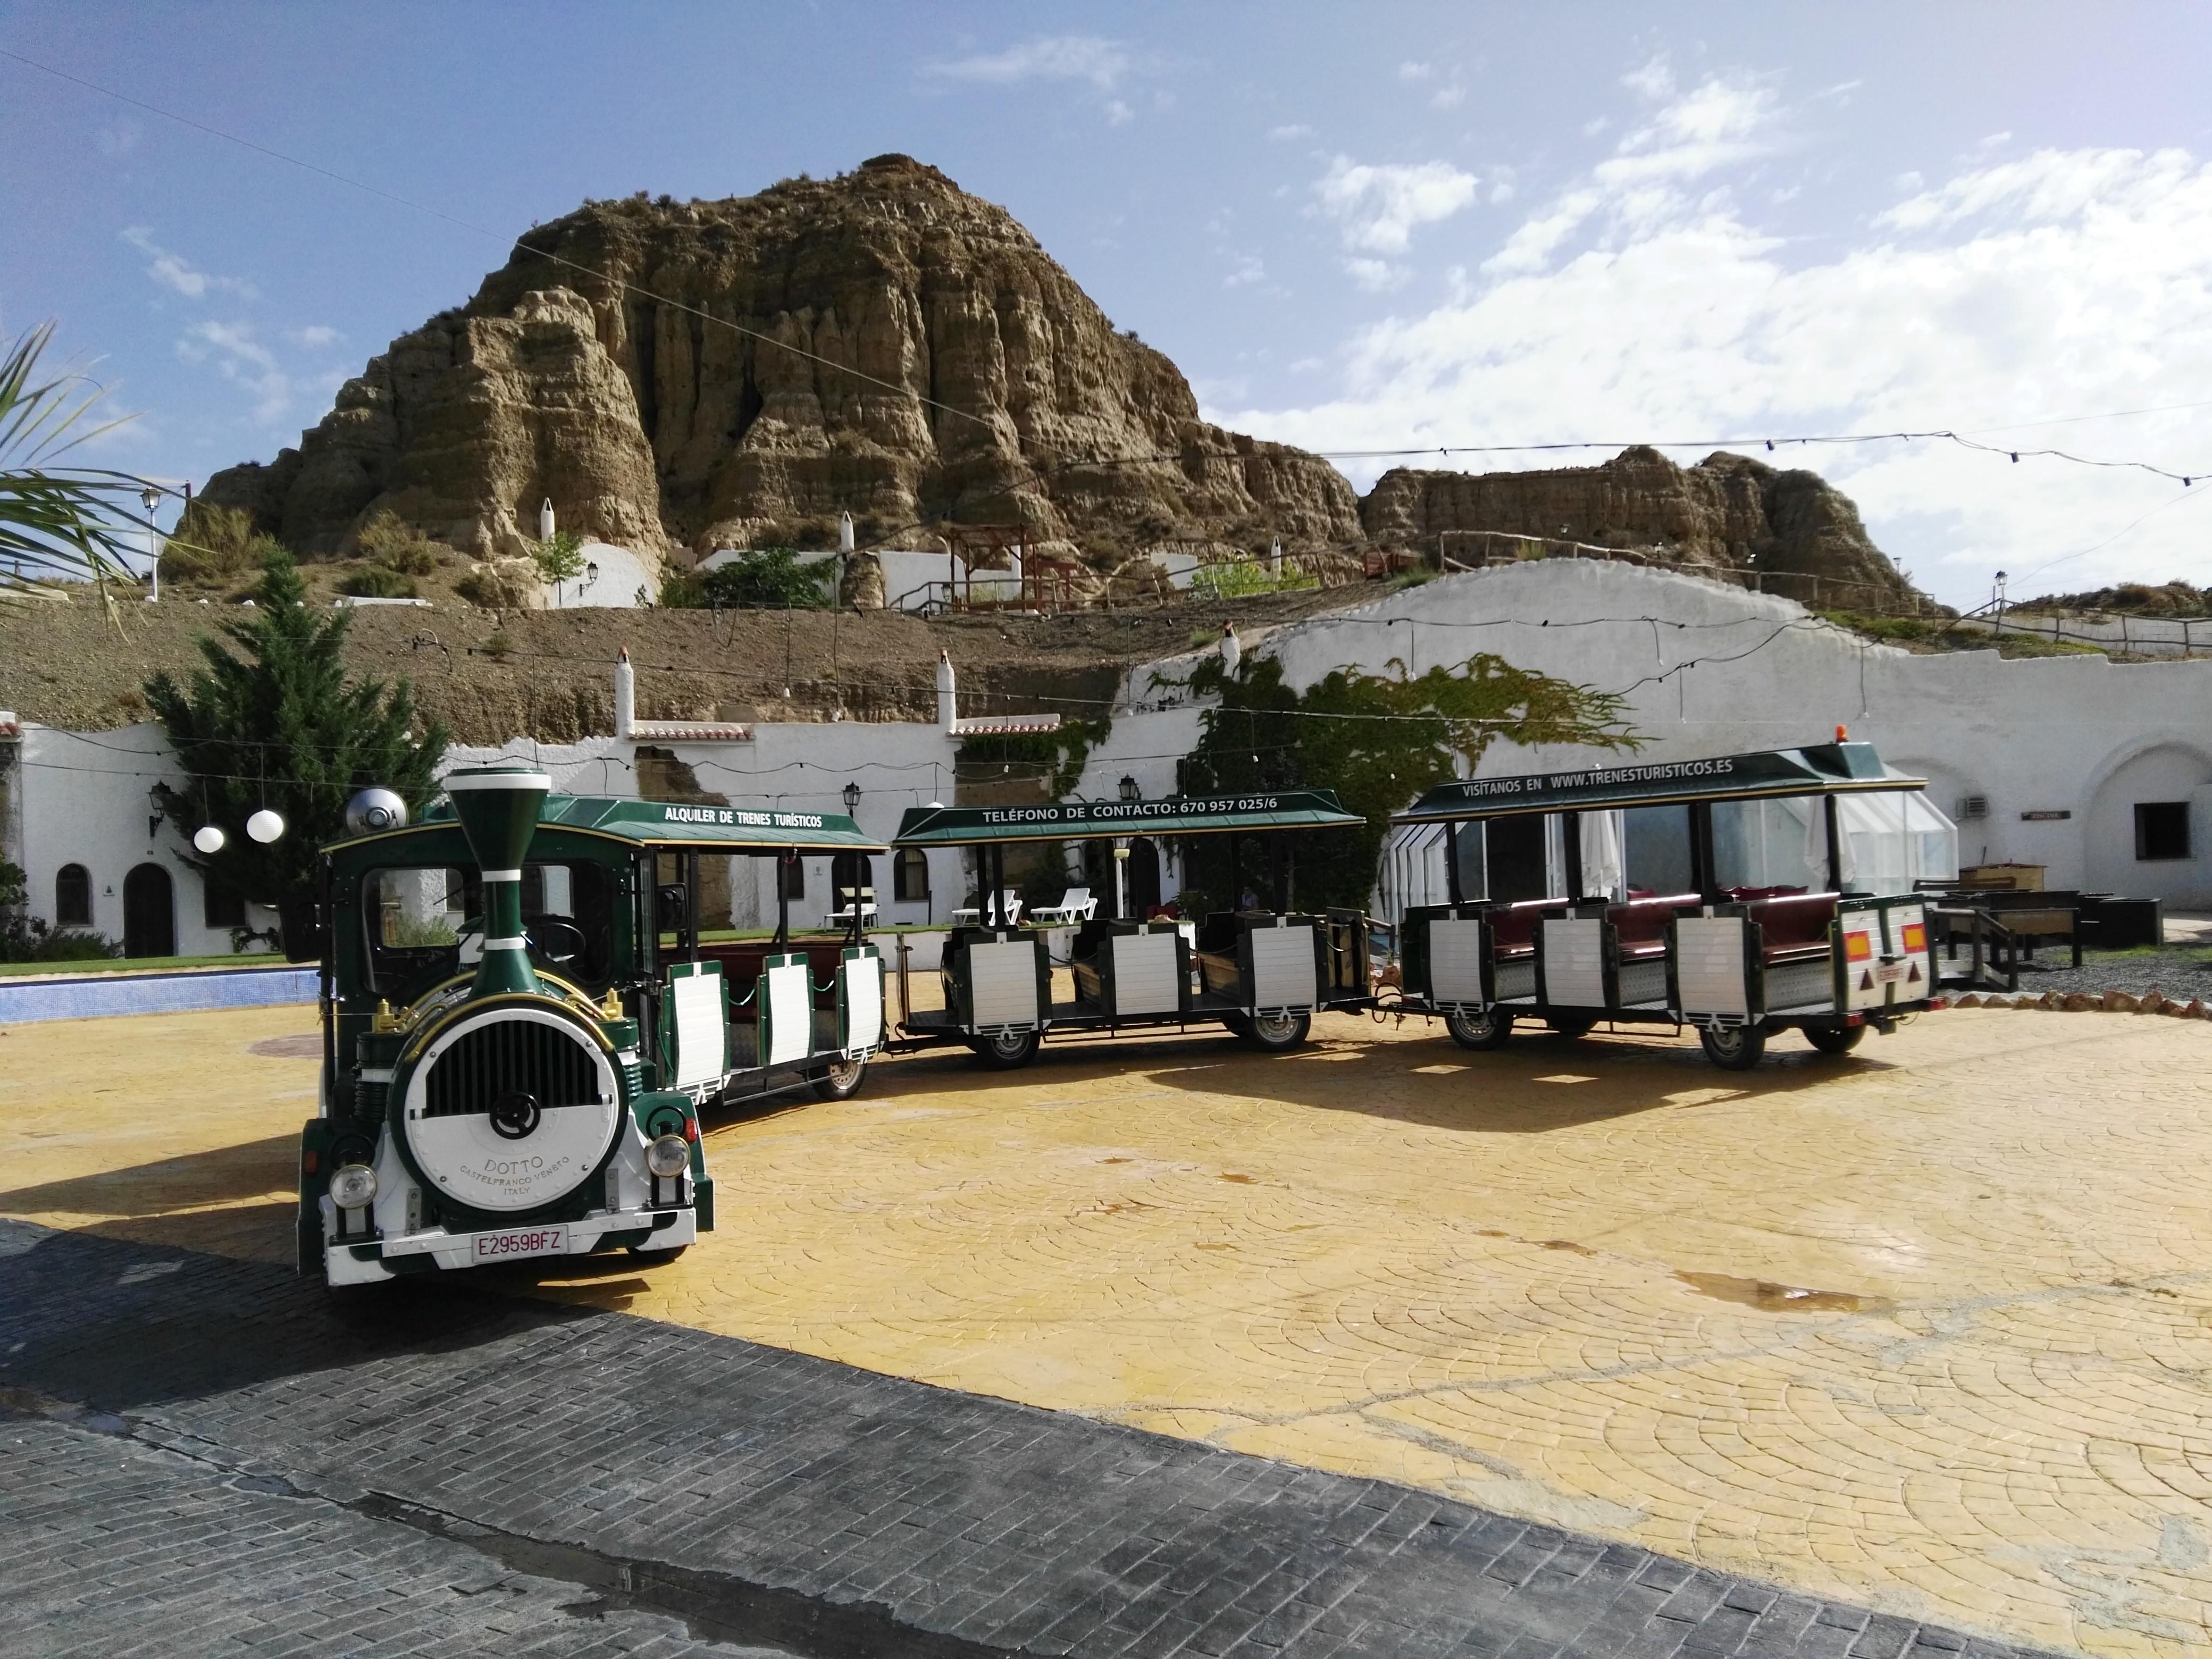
(667, 1156)
(352, 1186)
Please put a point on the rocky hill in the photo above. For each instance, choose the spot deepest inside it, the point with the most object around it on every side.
(1727, 514)
(688, 376)
(680, 376)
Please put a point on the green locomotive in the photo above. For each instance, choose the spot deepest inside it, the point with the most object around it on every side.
(521, 1025)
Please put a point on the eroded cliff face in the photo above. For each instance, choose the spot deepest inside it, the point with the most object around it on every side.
(736, 372)
(1729, 513)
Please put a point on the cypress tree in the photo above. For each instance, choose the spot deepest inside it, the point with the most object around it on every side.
(279, 726)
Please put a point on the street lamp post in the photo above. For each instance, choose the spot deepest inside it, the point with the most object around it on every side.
(152, 497)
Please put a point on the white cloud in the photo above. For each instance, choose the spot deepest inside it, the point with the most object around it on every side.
(1416, 71)
(244, 360)
(173, 271)
(1118, 113)
(1249, 268)
(317, 334)
(1446, 97)
(1378, 208)
(1283, 135)
(1655, 81)
(121, 138)
(1049, 57)
(1376, 276)
(1643, 299)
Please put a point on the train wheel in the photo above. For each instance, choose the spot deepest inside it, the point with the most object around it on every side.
(1006, 1051)
(841, 1080)
(1734, 1048)
(1480, 1031)
(1277, 1032)
(1835, 1039)
(1571, 1026)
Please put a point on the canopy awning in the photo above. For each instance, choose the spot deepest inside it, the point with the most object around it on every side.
(702, 828)
(1075, 820)
(1817, 769)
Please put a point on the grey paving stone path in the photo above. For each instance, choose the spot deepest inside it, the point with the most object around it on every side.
(198, 1455)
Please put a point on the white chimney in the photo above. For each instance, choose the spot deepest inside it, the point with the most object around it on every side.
(625, 694)
(844, 532)
(948, 711)
(545, 520)
(1231, 652)
(1275, 557)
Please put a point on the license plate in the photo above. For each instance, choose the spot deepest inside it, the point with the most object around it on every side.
(522, 1242)
(1889, 972)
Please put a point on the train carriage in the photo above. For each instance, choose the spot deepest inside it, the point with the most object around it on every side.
(1260, 972)
(522, 1024)
(1743, 894)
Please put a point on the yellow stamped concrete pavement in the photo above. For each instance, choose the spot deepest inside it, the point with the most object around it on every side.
(1928, 1327)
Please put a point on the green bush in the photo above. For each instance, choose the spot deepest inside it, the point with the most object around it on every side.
(376, 582)
(1241, 578)
(559, 558)
(771, 577)
(388, 540)
(682, 590)
(212, 543)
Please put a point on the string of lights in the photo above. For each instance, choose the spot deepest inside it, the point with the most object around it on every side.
(1771, 441)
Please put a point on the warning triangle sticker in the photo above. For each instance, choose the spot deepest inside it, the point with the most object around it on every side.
(1866, 981)
(1912, 976)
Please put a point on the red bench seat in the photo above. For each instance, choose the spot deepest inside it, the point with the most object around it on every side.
(1640, 925)
(1793, 929)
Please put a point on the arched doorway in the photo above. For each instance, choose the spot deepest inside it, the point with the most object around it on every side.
(2147, 835)
(1144, 875)
(149, 913)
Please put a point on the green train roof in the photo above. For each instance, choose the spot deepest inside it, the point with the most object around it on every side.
(675, 824)
(1178, 815)
(1824, 768)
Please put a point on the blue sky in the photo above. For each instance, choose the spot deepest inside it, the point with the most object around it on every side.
(1353, 227)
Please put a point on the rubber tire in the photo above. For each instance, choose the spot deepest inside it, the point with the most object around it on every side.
(1237, 1024)
(1480, 1032)
(1738, 1049)
(827, 1086)
(1277, 1034)
(1570, 1029)
(1835, 1039)
(1007, 1051)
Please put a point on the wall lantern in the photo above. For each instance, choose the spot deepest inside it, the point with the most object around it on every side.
(264, 826)
(1130, 790)
(157, 808)
(852, 793)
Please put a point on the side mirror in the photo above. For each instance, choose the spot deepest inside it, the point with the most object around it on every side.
(671, 908)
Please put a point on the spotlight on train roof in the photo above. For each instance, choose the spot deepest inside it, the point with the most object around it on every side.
(373, 810)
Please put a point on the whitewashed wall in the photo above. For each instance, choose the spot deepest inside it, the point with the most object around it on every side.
(2081, 735)
(83, 801)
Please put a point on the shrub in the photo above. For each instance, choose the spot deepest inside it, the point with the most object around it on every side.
(1240, 579)
(559, 558)
(211, 543)
(500, 584)
(499, 647)
(390, 541)
(375, 582)
(682, 590)
(771, 576)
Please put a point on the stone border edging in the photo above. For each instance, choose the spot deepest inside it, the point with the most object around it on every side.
(2080, 1002)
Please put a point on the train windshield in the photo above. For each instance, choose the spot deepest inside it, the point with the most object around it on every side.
(424, 922)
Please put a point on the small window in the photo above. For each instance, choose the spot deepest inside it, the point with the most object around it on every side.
(73, 897)
(910, 876)
(219, 908)
(2161, 830)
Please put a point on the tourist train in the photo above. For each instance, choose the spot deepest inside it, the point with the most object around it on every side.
(1261, 972)
(521, 1024)
(1740, 895)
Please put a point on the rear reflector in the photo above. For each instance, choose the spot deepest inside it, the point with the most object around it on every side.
(311, 1160)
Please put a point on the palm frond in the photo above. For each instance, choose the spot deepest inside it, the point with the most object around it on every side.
(58, 524)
